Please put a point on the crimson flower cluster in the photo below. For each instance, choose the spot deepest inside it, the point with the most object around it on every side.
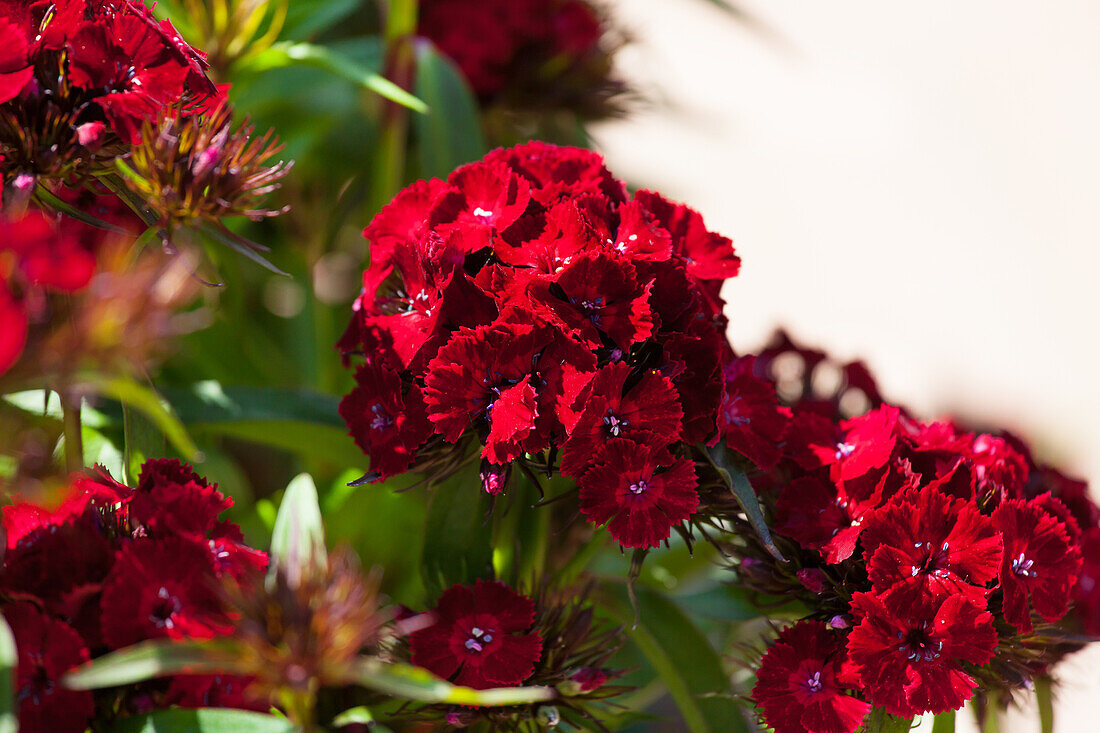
(490, 635)
(108, 568)
(934, 561)
(529, 305)
(526, 52)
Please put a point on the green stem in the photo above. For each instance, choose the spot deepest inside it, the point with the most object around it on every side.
(401, 18)
(582, 558)
(74, 440)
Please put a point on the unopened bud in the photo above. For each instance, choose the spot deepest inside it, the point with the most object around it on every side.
(494, 478)
(548, 715)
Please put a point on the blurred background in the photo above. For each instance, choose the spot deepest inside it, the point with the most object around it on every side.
(911, 184)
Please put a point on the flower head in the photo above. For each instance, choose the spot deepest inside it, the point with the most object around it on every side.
(481, 637)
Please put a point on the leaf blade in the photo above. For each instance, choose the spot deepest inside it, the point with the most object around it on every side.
(149, 659)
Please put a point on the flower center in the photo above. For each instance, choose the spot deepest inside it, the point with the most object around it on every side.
(1022, 566)
(933, 561)
(843, 450)
(38, 684)
(638, 487)
(478, 639)
(482, 214)
(164, 609)
(919, 645)
(381, 419)
(732, 413)
(813, 683)
(614, 424)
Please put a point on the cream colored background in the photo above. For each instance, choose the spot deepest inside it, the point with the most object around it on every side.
(912, 183)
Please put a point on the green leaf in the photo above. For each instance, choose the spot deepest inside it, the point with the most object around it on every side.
(141, 441)
(9, 658)
(416, 683)
(298, 540)
(297, 420)
(944, 722)
(322, 57)
(457, 539)
(149, 403)
(879, 721)
(742, 490)
(361, 715)
(150, 659)
(308, 17)
(681, 656)
(204, 720)
(449, 133)
(723, 602)
(1043, 694)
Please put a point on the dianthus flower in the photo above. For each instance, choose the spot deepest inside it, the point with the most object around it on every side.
(1040, 562)
(800, 684)
(925, 542)
(637, 492)
(908, 654)
(481, 636)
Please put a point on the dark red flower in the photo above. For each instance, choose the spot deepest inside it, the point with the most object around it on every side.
(808, 510)
(173, 500)
(162, 588)
(213, 691)
(867, 442)
(485, 373)
(387, 424)
(925, 542)
(638, 491)
(750, 419)
(800, 685)
(597, 296)
(42, 256)
(15, 68)
(999, 468)
(481, 636)
(47, 650)
(1040, 562)
(649, 410)
(483, 200)
(564, 236)
(13, 329)
(907, 655)
(558, 173)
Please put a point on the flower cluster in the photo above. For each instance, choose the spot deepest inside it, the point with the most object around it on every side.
(489, 635)
(78, 78)
(528, 53)
(933, 561)
(113, 566)
(528, 305)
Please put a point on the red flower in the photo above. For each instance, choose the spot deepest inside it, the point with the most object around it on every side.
(47, 650)
(558, 173)
(172, 500)
(212, 691)
(15, 69)
(13, 329)
(42, 256)
(162, 588)
(999, 468)
(484, 199)
(481, 636)
(638, 491)
(800, 686)
(389, 426)
(1086, 593)
(648, 410)
(485, 373)
(1040, 562)
(907, 654)
(926, 542)
(750, 419)
(598, 296)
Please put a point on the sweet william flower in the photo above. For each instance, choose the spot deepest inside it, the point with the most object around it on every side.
(47, 649)
(925, 542)
(638, 491)
(1040, 563)
(481, 636)
(908, 654)
(800, 686)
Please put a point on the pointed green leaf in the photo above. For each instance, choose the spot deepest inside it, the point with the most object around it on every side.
(682, 657)
(204, 720)
(150, 659)
(146, 401)
(322, 57)
(449, 133)
(298, 539)
(416, 683)
(457, 538)
(738, 483)
(9, 658)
